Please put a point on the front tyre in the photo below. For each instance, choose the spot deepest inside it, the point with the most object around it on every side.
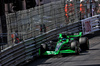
(43, 48)
(75, 47)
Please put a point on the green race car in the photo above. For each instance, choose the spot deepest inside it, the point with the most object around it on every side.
(65, 43)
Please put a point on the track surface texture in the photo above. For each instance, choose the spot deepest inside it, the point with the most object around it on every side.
(87, 58)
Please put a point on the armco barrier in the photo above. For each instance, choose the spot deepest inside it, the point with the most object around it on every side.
(12, 56)
(29, 49)
(34, 21)
(91, 24)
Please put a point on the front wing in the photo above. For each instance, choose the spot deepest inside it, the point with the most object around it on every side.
(60, 52)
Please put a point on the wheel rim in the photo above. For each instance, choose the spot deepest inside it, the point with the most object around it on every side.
(77, 50)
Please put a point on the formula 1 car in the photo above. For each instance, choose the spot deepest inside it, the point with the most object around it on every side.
(65, 43)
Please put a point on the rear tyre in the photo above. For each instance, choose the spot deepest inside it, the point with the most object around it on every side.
(84, 43)
(75, 47)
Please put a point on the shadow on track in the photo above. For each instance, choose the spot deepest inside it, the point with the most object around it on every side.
(97, 33)
(95, 49)
(90, 65)
(37, 61)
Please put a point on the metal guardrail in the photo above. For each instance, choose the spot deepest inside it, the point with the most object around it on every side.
(29, 49)
(91, 24)
(28, 23)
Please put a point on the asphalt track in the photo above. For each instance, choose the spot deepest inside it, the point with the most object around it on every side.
(87, 58)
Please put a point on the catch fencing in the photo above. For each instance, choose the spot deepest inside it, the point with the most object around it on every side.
(35, 21)
(26, 24)
(29, 49)
(39, 25)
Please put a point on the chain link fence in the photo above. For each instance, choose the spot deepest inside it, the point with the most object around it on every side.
(33, 22)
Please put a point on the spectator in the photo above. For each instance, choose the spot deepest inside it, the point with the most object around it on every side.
(15, 38)
(69, 10)
(82, 10)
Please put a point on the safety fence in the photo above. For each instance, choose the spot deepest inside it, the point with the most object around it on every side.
(91, 24)
(39, 25)
(29, 49)
(26, 24)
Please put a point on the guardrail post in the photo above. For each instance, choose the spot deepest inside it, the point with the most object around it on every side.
(80, 23)
(99, 21)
